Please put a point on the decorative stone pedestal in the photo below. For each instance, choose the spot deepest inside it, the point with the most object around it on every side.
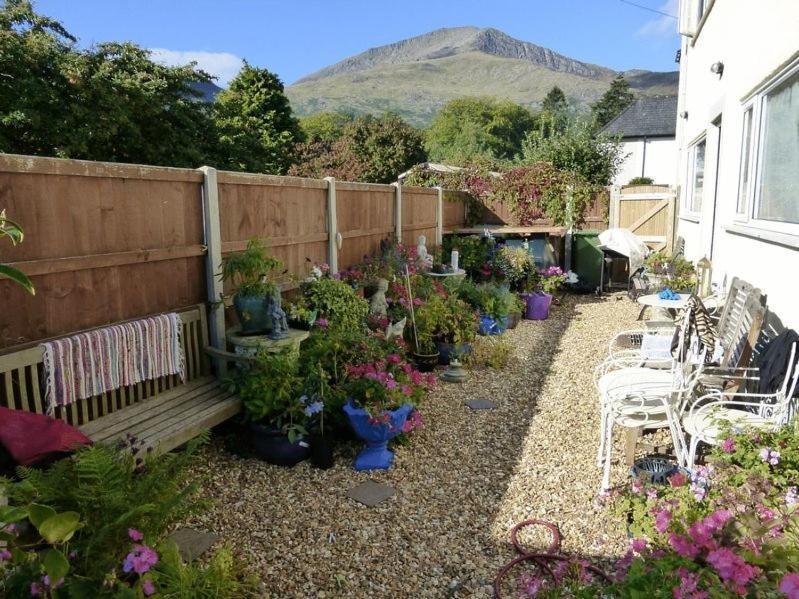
(249, 345)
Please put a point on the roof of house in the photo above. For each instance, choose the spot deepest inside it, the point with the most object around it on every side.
(648, 116)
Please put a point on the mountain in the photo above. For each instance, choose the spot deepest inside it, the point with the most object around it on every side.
(416, 76)
(206, 90)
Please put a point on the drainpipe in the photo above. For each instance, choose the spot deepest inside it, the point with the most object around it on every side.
(643, 160)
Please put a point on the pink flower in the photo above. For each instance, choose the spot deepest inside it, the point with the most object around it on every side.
(637, 486)
(322, 323)
(140, 560)
(148, 588)
(652, 493)
(683, 546)
(135, 535)
(678, 479)
(638, 545)
(5, 554)
(394, 358)
(688, 589)
(728, 446)
(770, 456)
(36, 589)
(789, 585)
(406, 390)
(662, 520)
(732, 568)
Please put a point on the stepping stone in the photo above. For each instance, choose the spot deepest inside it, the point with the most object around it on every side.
(371, 493)
(480, 404)
(192, 543)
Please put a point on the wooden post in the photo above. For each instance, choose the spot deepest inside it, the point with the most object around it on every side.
(670, 220)
(440, 216)
(398, 211)
(213, 261)
(333, 236)
(613, 209)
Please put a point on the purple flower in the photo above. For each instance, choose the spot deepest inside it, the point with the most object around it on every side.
(791, 497)
(36, 589)
(683, 546)
(652, 493)
(5, 554)
(732, 568)
(135, 535)
(148, 588)
(789, 585)
(638, 545)
(770, 456)
(728, 446)
(662, 520)
(314, 408)
(140, 560)
(322, 323)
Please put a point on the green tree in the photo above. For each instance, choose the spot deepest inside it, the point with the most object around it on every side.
(370, 149)
(257, 130)
(596, 158)
(110, 102)
(610, 105)
(469, 129)
(555, 101)
(324, 126)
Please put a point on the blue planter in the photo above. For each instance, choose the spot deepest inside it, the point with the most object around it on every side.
(446, 350)
(253, 312)
(376, 455)
(492, 326)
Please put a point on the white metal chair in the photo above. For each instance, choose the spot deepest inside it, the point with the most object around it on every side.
(705, 419)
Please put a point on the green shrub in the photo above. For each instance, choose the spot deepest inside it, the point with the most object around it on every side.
(491, 352)
(336, 302)
(641, 181)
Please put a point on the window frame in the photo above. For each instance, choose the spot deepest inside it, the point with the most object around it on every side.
(757, 102)
(688, 200)
(745, 162)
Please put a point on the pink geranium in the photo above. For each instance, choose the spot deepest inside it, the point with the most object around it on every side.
(732, 568)
(683, 546)
(789, 585)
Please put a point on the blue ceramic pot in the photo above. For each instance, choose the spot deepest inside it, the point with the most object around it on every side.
(376, 455)
(446, 350)
(492, 326)
(253, 312)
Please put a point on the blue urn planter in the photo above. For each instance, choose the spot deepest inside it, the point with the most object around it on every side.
(376, 455)
(488, 325)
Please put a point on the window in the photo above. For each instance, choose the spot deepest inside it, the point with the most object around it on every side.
(746, 151)
(697, 176)
(778, 183)
(768, 187)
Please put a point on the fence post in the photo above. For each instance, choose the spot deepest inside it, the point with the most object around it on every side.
(613, 210)
(440, 216)
(333, 236)
(398, 211)
(213, 259)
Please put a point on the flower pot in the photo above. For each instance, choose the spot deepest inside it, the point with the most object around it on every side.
(426, 362)
(321, 451)
(273, 446)
(488, 325)
(253, 312)
(445, 350)
(537, 305)
(376, 455)
(514, 318)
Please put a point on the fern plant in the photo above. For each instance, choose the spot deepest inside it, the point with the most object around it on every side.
(112, 491)
(221, 577)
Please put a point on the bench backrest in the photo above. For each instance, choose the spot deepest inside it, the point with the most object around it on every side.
(22, 376)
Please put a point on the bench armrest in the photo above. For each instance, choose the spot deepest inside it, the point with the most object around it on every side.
(226, 356)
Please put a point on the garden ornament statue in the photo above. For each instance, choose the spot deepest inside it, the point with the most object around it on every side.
(378, 304)
(455, 372)
(280, 326)
(395, 329)
(424, 258)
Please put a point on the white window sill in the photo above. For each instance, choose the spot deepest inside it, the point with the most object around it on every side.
(691, 218)
(777, 237)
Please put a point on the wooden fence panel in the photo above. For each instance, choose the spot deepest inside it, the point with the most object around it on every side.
(454, 209)
(103, 243)
(365, 217)
(419, 206)
(289, 213)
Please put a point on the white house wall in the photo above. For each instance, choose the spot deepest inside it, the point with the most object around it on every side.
(752, 40)
(659, 161)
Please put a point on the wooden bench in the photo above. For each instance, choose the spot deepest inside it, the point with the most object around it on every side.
(161, 413)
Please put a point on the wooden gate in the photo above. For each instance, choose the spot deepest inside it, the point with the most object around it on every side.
(646, 210)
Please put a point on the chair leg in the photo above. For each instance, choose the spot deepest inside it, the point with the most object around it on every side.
(603, 422)
(692, 452)
(608, 450)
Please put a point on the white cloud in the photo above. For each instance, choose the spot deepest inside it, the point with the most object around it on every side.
(222, 65)
(661, 26)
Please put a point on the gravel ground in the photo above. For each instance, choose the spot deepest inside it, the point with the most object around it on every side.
(461, 483)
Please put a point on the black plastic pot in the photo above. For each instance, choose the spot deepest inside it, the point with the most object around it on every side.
(446, 349)
(426, 362)
(272, 446)
(321, 451)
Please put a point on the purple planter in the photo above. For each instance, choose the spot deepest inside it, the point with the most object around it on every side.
(537, 305)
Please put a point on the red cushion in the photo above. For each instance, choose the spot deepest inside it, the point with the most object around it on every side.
(31, 438)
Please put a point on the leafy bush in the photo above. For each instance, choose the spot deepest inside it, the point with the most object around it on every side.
(641, 181)
(676, 272)
(515, 263)
(449, 320)
(473, 252)
(336, 302)
(491, 352)
(93, 519)
(249, 270)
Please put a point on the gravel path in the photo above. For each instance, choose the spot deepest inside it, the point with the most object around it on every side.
(465, 479)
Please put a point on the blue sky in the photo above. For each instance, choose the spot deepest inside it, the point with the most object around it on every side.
(296, 37)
